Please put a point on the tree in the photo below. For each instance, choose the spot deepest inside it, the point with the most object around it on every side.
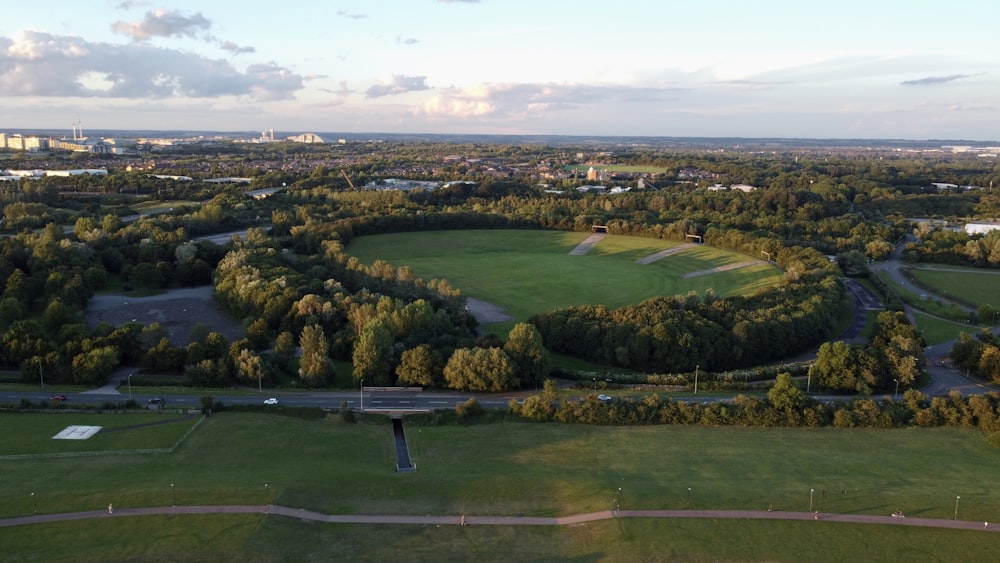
(527, 354)
(94, 366)
(315, 366)
(854, 264)
(479, 369)
(249, 367)
(419, 366)
(785, 395)
(371, 355)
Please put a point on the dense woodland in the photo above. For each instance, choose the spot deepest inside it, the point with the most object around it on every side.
(309, 307)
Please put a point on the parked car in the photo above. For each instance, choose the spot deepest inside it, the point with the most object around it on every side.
(156, 401)
(271, 401)
(59, 398)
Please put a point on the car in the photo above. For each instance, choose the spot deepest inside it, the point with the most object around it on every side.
(156, 401)
(603, 398)
(271, 401)
(59, 398)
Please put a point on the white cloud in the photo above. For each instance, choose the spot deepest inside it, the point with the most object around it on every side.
(163, 23)
(36, 63)
(397, 84)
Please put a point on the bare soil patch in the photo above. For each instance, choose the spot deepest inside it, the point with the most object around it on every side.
(725, 268)
(588, 243)
(486, 312)
(177, 310)
(664, 253)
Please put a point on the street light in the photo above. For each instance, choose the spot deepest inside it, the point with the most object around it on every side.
(811, 500)
(41, 376)
(362, 394)
(595, 384)
(956, 507)
(173, 493)
(696, 379)
(34, 501)
(130, 386)
(267, 495)
(896, 396)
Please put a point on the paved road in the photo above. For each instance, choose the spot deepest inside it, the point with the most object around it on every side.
(473, 520)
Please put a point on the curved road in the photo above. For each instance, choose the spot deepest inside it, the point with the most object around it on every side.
(463, 520)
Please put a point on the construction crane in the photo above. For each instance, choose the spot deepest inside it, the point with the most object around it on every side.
(348, 178)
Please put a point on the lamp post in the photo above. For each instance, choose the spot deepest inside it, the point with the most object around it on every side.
(809, 378)
(956, 507)
(362, 394)
(267, 495)
(129, 386)
(173, 493)
(34, 501)
(41, 376)
(696, 379)
(811, 499)
(595, 384)
(896, 395)
(260, 376)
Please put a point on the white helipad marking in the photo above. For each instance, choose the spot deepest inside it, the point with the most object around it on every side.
(76, 432)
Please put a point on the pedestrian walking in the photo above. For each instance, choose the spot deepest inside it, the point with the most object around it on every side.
(986, 525)
(463, 520)
(816, 515)
(111, 509)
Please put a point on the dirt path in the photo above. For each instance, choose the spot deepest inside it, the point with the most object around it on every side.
(486, 312)
(588, 243)
(725, 268)
(664, 253)
(460, 520)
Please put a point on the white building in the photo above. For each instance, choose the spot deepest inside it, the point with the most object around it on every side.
(981, 228)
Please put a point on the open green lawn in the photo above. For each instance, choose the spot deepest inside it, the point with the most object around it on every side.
(32, 433)
(510, 469)
(973, 285)
(528, 272)
(937, 330)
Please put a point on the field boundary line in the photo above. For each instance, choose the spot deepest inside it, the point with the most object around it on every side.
(98, 453)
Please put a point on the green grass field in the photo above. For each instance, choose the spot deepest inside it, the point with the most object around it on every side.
(528, 272)
(509, 469)
(32, 433)
(973, 285)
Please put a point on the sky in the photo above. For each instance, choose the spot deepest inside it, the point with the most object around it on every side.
(867, 69)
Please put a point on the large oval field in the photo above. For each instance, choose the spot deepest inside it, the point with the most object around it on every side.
(528, 272)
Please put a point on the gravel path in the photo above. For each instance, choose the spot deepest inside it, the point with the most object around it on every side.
(486, 312)
(664, 253)
(725, 268)
(309, 515)
(588, 243)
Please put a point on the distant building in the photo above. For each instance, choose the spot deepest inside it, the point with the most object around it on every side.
(307, 138)
(981, 228)
(944, 186)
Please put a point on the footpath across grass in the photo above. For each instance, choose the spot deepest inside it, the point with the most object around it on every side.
(525, 470)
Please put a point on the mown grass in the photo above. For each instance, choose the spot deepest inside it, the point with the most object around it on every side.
(512, 469)
(31, 433)
(528, 272)
(971, 285)
(936, 331)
